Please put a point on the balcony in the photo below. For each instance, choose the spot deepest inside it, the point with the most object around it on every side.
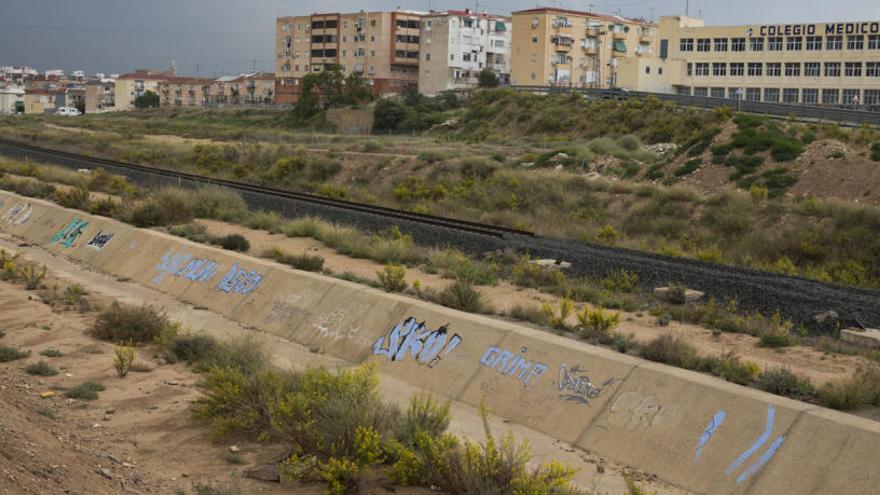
(618, 35)
(593, 31)
(645, 38)
(591, 50)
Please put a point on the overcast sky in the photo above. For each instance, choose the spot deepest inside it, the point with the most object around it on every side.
(212, 37)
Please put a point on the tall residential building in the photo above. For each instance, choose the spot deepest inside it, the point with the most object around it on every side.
(381, 46)
(554, 46)
(824, 63)
(100, 95)
(457, 45)
(135, 84)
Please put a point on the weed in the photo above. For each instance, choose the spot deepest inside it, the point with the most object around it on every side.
(85, 391)
(782, 381)
(673, 350)
(597, 323)
(392, 278)
(305, 262)
(190, 348)
(533, 314)
(32, 276)
(558, 320)
(620, 281)
(234, 242)
(462, 296)
(688, 168)
(123, 359)
(127, 323)
(10, 354)
(862, 389)
(45, 412)
(40, 368)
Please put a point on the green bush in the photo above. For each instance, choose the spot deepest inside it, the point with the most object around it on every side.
(234, 242)
(620, 281)
(875, 152)
(217, 203)
(305, 262)
(190, 348)
(673, 350)
(10, 354)
(462, 296)
(392, 278)
(85, 391)
(597, 323)
(40, 368)
(782, 381)
(688, 168)
(861, 390)
(127, 323)
(165, 207)
(51, 352)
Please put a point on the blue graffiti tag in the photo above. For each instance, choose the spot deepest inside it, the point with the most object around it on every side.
(183, 265)
(415, 339)
(69, 234)
(713, 425)
(240, 281)
(518, 366)
(744, 456)
(762, 461)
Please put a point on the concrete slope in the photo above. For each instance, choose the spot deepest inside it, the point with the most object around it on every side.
(694, 431)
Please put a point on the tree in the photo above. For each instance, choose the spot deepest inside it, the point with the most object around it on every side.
(81, 106)
(329, 89)
(147, 100)
(388, 115)
(488, 79)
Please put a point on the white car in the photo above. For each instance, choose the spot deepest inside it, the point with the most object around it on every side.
(69, 111)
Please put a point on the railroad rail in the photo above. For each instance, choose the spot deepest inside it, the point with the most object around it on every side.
(474, 227)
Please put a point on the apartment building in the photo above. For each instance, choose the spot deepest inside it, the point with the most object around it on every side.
(824, 63)
(184, 91)
(135, 84)
(553, 46)
(457, 45)
(11, 100)
(100, 96)
(381, 46)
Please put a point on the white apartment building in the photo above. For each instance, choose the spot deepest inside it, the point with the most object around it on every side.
(457, 45)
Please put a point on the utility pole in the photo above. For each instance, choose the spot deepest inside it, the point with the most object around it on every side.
(687, 7)
(255, 65)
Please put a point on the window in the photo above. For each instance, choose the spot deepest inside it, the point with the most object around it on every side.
(756, 69)
(720, 44)
(753, 94)
(771, 95)
(850, 95)
(872, 97)
(832, 69)
(830, 96)
(468, 23)
(853, 69)
(811, 96)
(534, 39)
(738, 44)
(794, 43)
(855, 42)
(734, 93)
(701, 91)
(790, 95)
(702, 69)
(466, 57)
(372, 24)
(774, 69)
(683, 90)
(719, 70)
(687, 45)
(647, 70)
(872, 69)
(360, 52)
(873, 43)
(737, 69)
(756, 44)
(774, 43)
(814, 43)
(427, 57)
(812, 69)
(834, 43)
(690, 69)
(703, 44)
(792, 69)
(717, 92)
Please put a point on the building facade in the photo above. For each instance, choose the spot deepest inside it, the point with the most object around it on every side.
(562, 47)
(11, 100)
(129, 87)
(457, 45)
(812, 64)
(100, 96)
(381, 46)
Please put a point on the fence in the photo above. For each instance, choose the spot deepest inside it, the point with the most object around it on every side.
(801, 112)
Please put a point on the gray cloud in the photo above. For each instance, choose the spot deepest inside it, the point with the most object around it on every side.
(211, 37)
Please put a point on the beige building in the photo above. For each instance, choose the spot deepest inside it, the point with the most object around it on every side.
(133, 85)
(826, 64)
(457, 45)
(381, 46)
(100, 96)
(184, 91)
(40, 100)
(562, 47)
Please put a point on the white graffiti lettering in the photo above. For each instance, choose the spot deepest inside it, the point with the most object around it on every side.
(415, 339)
(577, 387)
(183, 265)
(510, 364)
(18, 214)
(240, 281)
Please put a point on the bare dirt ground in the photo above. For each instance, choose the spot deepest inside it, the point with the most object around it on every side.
(141, 430)
(807, 361)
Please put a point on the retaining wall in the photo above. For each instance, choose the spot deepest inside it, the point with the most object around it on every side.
(694, 431)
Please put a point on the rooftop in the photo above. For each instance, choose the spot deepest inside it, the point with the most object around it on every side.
(595, 15)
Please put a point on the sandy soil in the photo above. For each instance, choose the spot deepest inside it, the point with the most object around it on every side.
(150, 443)
(803, 360)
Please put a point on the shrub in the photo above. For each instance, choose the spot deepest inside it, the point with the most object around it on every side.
(32, 276)
(305, 262)
(51, 352)
(597, 323)
(875, 152)
(620, 281)
(424, 415)
(862, 389)
(164, 207)
(673, 350)
(782, 381)
(558, 320)
(392, 278)
(218, 203)
(190, 348)
(533, 314)
(41, 368)
(462, 296)
(74, 197)
(123, 358)
(688, 168)
(10, 354)
(85, 391)
(729, 367)
(127, 323)
(530, 275)
(776, 338)
(234, 242)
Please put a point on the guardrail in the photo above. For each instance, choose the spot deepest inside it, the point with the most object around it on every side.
(801, 112)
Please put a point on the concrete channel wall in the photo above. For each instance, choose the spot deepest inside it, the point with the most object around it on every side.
(694, 431)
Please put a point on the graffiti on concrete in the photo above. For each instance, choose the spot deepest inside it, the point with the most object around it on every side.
(100, 240)
(70, 233)
(511, 364)
(635, 410)
(747, 454)
(18, 214)
(575, 386)
(184, 265)
(284, 308)
(332, 326)
(415, 339)
(239, 281)
(713, 425)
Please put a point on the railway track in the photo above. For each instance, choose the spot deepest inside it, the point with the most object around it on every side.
(794, 297)
(451, 223)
